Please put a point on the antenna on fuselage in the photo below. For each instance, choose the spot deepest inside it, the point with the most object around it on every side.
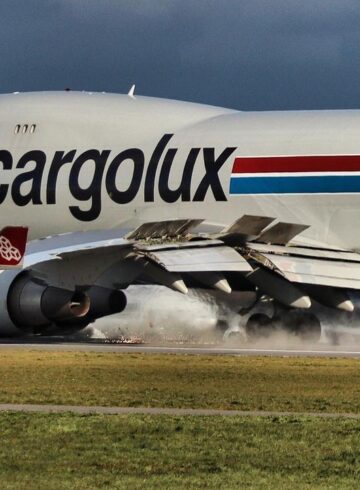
(131, 92)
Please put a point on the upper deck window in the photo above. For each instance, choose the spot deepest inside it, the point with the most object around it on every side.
(24, 128)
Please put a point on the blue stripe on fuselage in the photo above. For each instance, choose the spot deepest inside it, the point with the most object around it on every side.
(295, 184)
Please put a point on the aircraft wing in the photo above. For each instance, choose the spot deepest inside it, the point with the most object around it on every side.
(77, 277)
(254, 250)
(160, 257)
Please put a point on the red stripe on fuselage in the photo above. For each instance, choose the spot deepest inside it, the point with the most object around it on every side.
(318, 163)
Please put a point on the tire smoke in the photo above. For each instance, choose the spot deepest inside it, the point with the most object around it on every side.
(158, 314)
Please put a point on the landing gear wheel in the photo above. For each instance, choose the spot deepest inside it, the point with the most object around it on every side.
(304, 325)
(222, 325)
(258, 326)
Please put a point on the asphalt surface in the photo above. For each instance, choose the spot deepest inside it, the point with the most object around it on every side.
(82, 409)
(320, 350)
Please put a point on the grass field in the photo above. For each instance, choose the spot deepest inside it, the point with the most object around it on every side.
(244, 383)
(145, 452)
(65, 451)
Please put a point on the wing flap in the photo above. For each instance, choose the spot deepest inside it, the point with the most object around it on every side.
(323, 281)
(319, 253)
(281, 233)
(196, 259)
(248, 225)
(178, 245)
(322, 271)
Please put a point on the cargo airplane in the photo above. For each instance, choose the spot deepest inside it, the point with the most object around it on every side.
(114, 190)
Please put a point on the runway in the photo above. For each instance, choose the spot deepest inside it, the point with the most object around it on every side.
(59, 345)
(83, 409)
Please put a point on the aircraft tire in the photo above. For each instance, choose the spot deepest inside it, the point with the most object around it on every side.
(303, 325)
(258, 326)
(222, 325)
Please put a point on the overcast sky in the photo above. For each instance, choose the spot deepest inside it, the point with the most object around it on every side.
(245, 54)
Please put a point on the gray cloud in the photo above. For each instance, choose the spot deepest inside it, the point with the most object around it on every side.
(248, 54)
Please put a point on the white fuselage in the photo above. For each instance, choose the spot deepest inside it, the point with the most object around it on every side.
(79, 161)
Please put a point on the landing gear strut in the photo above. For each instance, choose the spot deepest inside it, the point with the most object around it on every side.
(233, 332)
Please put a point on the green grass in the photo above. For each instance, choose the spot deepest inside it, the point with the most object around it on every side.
(244, 383)
(67, 451)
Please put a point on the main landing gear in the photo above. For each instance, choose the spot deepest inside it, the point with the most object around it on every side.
(301, 324)
(266, 318)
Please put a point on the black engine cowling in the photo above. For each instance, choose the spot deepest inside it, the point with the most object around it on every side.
(33, 305)
(103, 302)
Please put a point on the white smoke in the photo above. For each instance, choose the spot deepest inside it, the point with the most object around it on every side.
(158, 314)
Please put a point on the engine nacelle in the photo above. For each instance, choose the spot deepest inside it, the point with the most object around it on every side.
(29, 304)
(33, 305)
(103, 302)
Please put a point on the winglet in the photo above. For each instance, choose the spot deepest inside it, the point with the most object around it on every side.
(12, 246)
(131, 92)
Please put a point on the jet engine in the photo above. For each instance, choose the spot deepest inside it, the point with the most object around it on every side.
(33, 305)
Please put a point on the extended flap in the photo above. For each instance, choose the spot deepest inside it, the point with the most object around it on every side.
(316, 253)
(337, 273)
(214, 258)
(281, 233)
(248, 225)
